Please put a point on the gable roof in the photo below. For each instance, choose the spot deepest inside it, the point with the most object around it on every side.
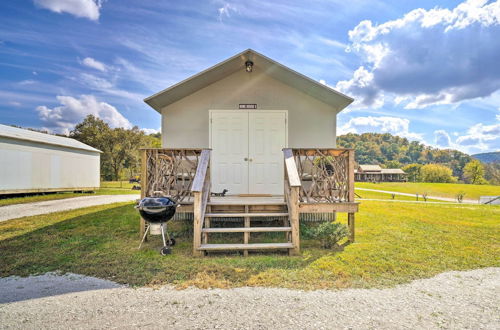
(370, 168)
(27, 135)
(393, 171)
(237, 62)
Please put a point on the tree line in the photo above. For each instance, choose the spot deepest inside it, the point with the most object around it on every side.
(121, 157)
(420, 162)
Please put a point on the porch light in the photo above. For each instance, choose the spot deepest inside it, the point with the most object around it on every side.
(249, 66)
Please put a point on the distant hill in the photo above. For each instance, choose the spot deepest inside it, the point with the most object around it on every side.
(393, 151)
(488, 157)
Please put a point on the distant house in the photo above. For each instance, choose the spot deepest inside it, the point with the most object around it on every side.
(37, 162)
(374, 173)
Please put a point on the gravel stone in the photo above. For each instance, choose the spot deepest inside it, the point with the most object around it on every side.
(452, 300)
(29, 209)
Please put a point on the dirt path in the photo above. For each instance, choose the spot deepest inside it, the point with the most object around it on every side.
(446, 199)
(452, 300)
(29, 209)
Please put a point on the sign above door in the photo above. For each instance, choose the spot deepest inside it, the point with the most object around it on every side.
(248, 106)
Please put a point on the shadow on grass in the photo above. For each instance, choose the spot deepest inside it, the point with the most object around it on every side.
(104, 244)
(33, 287)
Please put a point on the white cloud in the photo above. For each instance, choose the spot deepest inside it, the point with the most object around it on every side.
(27, 82)
(362, 83)
(384, 124)
(95, 82)
(436, 56)
(72, 110)
(149, 131)
(94, 64)
(482, 137)
(80, 8)
(226, 10)
(442, 138)
(478, 138)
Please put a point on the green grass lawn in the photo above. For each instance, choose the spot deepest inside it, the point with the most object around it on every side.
(434, 189)
(118, 184)
(394, 244)
(365, 194)
(7, 200)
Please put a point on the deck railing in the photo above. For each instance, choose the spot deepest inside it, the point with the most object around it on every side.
(176, 173)
(169, 171)
(201, 193)
(319, 181)
(325, 175)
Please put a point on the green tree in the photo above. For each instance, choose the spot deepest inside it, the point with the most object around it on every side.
(375, 148)
(392, 164)
(474, 172)
(492, 173)
(120, 146)
(437, 173)
(413, 172)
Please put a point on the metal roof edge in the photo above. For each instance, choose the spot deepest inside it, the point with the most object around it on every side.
(21, 138)
(150, 100)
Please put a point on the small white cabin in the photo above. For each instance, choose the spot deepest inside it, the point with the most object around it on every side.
(247, 109)
(37, 162)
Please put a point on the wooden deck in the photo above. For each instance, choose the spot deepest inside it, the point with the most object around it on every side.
(316, 181)
(304, 207)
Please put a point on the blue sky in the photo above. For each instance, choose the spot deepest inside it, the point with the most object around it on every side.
(426, 70)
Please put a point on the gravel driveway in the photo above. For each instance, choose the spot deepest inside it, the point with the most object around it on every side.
(446, 199)
(28, 209)
(453, 300)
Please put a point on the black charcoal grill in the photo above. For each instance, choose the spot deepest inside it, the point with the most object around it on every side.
(158, 210)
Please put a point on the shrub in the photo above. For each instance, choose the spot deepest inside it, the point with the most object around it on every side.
(437, 173)
(330, 233)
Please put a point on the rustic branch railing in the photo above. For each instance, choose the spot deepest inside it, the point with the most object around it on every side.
(201, 193)
(326, 175)
(170, 171)
(319, 179)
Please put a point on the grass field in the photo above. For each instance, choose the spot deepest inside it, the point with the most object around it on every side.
(365, 194)
(435, 189)
(393, 245)
(118, 184)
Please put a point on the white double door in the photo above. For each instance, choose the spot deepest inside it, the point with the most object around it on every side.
(247, 155)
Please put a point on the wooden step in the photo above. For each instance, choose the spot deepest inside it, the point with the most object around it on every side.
(242, 215)
(246, 230)
(253, 246)
(243, 203)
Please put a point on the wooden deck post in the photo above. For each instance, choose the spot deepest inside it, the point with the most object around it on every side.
(246, 235)
(350, 216)
(201, 193)
(144, 180)
(350, 223)
(351, 176)
(294, 220)
(197, 213)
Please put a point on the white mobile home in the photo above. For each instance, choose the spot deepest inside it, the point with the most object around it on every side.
(37, 162)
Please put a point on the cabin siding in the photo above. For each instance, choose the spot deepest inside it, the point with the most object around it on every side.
(28, 166)
(185, 123)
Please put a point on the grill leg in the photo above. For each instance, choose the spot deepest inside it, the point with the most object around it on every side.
(145, 234)
(163, 234)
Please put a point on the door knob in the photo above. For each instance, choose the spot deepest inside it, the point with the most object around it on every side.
(245, 159)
